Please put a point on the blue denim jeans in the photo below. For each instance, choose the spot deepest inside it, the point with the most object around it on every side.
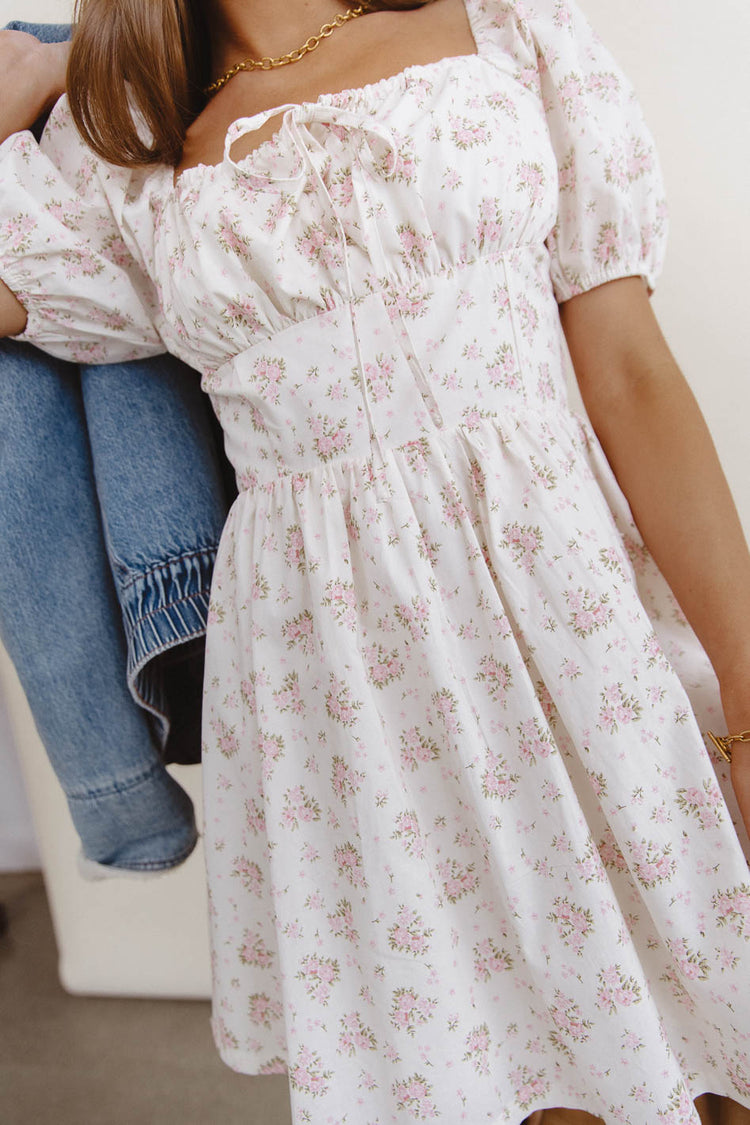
(112, 501)
(113, 494)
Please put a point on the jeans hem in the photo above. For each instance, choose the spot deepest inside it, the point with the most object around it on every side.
(102, 870)
(163, 607)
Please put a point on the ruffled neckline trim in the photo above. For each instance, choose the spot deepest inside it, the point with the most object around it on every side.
(369, 96)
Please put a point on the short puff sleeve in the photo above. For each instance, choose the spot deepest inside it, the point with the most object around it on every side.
(612, 215)
(70, 251)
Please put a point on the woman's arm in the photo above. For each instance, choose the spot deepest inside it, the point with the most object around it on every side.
(12, 312)
(32, 78)
(658, 444)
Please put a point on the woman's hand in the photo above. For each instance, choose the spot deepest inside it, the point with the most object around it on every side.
(32, 78)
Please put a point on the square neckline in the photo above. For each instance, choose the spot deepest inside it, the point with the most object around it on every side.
(349, 94)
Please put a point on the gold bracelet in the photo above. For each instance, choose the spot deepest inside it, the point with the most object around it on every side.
(723, 743)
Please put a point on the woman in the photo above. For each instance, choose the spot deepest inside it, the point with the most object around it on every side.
(466, 852)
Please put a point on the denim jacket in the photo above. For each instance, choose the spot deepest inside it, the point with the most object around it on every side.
(113, 494)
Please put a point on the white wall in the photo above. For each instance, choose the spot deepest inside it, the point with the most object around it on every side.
(50, 11)
(688, 62)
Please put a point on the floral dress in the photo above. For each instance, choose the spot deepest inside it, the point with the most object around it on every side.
(467, 854)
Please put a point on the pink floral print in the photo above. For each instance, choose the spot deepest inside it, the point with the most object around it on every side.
(467, 855)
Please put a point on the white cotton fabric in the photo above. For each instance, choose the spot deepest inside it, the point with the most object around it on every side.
(467, 854)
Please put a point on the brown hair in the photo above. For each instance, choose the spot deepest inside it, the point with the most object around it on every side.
(147, 59)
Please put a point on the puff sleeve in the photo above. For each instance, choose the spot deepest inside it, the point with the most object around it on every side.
(611, 217)
(71, 250)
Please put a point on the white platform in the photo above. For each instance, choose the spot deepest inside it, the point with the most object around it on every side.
(118, 937)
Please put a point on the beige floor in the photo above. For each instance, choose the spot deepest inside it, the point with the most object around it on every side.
(66, 1060)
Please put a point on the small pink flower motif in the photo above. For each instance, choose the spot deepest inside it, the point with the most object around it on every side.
(349, 864)
(605, 84)
(490, 228)
(531, 179)
(415, 1095)
(453, 508)
(497, 678)
(458, 879)
(528, 1085)
(408, 933)
(379, 376)
(354, 1035)
(639, 159)
(229, 236)
(319, 975)
(417, 748)
(616, 990)
(289, 696)
(529, 317)
(407, 830)
(574, 923)
(415, 247)
(249, 874)
(320, 246)
(108, 318)
(254, 951)
(345, 780)
(298, 633)
(410, 1010)
(339, 703)
(342, 922)
(733, 910)
(341, 598)
(496, 780)
(692, 964)
(279, 209)
(490, 959)
(467, 133)
(704, 804)
(618, 708)
(227, 741)
(652, 862)
(567, 176)
(533, 742)
(524, 542)
(17, 232)
(342, 190)
(471, 418)
(307, 1075)
(299, 808)
(81, 263)
(607, 250)
(255, 817)
(241, 312)
(446, 705)
(572, 95)
(411, 303)
(383, 667)
(263, 1010)
(478, 1044)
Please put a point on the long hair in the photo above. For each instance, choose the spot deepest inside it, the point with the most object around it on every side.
(137, 71)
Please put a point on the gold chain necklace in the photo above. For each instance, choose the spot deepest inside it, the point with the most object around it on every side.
(293, 56)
